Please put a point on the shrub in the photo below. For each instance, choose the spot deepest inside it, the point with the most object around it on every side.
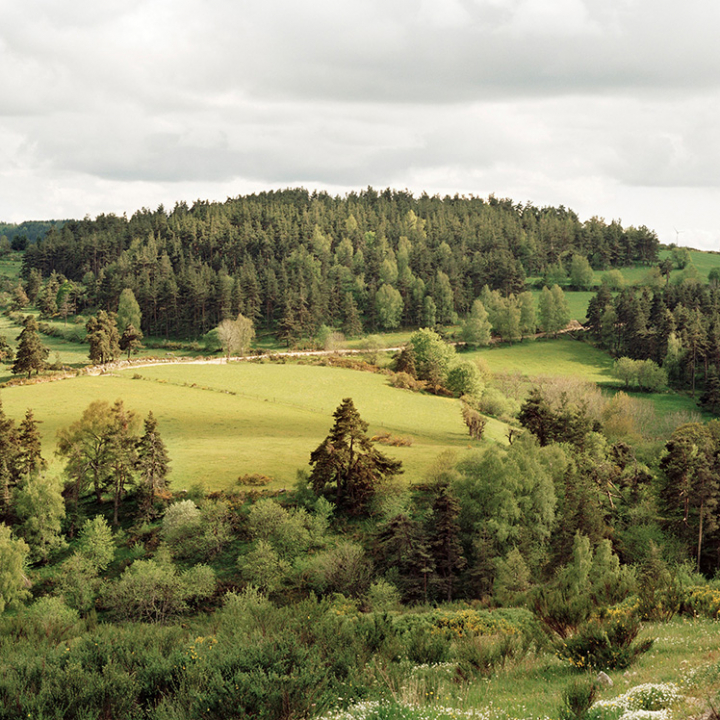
(154, 591)
(578, 697)
(604, 644)
(405, 381)
(482, 654)
(49, 618)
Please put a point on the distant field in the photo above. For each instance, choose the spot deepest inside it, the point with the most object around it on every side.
(577, 302)
(704, 262)
(10, 266)
(72, 354)
(549, 357)
(565, 357)
(279, 414)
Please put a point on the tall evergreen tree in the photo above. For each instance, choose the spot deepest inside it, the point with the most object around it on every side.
(347, 464)
(31, 354)
(29, 449)
(153, 465)
(444, 536)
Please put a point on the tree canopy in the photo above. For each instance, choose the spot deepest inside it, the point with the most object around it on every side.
(346, 465)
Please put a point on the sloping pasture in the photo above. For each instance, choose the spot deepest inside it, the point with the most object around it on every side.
(222, 421)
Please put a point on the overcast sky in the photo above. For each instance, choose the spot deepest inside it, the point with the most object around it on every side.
(609, 107)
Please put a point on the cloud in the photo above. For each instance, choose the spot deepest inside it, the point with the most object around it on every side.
(566, 102)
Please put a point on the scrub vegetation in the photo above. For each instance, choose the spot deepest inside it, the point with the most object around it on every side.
(471, 515)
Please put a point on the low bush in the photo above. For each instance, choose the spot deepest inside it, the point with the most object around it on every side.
(604, 644)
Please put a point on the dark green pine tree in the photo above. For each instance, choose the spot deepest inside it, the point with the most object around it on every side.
(710, 399)
(444, 535)
(130, 340)
(352, 325)
(8, 462)
(29, 449)
(404, 557)
(153, 465)
(347, 465)
(31, 353)
(537, 416)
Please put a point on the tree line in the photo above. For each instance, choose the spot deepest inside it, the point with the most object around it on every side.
(675, 327)
(291, 261)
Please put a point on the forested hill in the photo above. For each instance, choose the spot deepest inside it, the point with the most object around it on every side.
(292, 260)
(30, 230)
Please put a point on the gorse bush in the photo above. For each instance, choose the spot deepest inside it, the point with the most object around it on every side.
(604, 644)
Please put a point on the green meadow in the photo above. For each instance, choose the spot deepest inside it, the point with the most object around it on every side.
(223, 421)
(704, 262)
(577, 302)
(548, 357)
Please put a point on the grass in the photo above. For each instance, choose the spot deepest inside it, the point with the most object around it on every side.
(704, 262)
(534, 688)
(564, 357)
(578, 302)
(686, 652)
(10, 265)
(222, 421)
(553, 357)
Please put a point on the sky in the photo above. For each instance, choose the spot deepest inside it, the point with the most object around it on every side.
(608, 107)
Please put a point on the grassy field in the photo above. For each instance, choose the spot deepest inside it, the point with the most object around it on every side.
(686, 653)
(10, 266)
(222, 421)
(704, 262)
(70, 353)
(554, 357)
(577, 303)
(564, 357)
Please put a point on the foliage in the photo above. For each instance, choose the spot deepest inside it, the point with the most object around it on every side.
(473, 419)
(40, 509)
(102, 334)
(605, 644)
(644, 373)
(128, 312)
(13, 557)
(236, 335)
(30, 354)
(155, 591)
(476, 329)
(464, 378)
(153, 465)
(347, 462)
(130, 340)
(96, 543)
(433, 356)
(578, 697)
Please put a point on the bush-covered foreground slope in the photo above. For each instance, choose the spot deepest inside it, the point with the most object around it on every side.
(319, 659)
(222, 421)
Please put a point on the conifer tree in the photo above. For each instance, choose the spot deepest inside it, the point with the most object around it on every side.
(29, 448)
(153, 465)
(31, 353)
(347, 462)
(445, 545)
(404, 555)
(130, 340)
